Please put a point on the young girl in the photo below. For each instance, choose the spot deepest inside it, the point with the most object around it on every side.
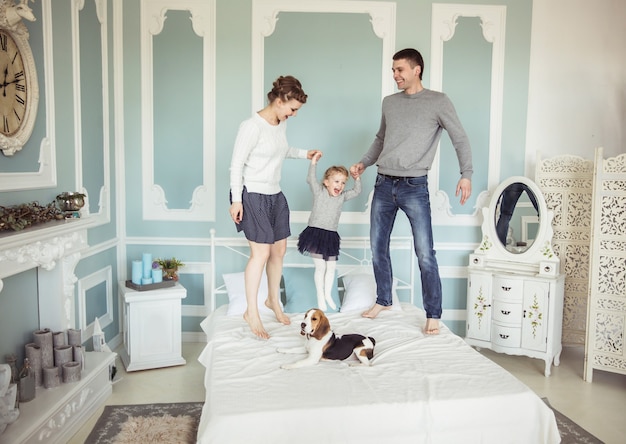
(320, 238)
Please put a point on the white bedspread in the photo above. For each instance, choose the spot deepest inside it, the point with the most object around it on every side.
(419, 389)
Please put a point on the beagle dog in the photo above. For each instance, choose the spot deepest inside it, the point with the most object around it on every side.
(322, 344)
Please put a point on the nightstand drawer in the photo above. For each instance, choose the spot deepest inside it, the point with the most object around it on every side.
(507, 288)
(507, 312)
(506, 336)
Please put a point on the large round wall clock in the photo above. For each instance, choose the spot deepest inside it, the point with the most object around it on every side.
(19, 92)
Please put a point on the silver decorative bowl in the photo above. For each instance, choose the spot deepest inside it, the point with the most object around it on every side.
(70, 201)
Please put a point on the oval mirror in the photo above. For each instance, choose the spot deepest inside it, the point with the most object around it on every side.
(516, 217)
(517, 221)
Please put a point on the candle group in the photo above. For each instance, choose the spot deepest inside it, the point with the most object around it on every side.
(142, 272)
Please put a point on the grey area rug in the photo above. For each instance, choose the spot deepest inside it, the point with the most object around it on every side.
(114, 417)
(571, 433)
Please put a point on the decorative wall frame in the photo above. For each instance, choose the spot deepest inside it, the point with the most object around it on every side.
(204, 269)
(103, 275)
(46, 174)
(493, 22)
(153, 15)
(264, 18)
(103, 214)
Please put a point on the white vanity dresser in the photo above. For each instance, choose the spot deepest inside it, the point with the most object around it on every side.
(515, 288)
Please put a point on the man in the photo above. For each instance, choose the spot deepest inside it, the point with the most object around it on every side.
(404, 149)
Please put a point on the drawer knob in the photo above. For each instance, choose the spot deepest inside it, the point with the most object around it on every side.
(506, 288)
(504, 336)
(505, 312)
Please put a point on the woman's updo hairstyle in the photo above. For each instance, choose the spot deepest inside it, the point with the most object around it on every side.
(286, 88)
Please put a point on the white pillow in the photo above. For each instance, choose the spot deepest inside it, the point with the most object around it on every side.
(360, 293)
(236, 288)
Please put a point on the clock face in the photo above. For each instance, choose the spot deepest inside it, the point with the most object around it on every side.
(13, 86)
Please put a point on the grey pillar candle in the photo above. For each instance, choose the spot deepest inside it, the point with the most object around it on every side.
(33, 353)
(62, 355)
(51, 377)
(79, 355)
(43, 338)
(58, 338)
(74, 336)
(71, 371)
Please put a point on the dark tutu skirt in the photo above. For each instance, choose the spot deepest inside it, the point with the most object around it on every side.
(319, 241)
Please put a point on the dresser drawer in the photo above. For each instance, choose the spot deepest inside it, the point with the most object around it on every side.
(507, 288)
(506, 336)
(507, 312)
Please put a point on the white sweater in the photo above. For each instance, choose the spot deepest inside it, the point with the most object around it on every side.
(258, 155)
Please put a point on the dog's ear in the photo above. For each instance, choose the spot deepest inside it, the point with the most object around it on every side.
(323, 325)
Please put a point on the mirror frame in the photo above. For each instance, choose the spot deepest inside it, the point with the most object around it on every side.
(492, 254)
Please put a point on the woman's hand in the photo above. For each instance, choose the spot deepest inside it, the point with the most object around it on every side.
(236, 212)
(316, 157)
(312, 153)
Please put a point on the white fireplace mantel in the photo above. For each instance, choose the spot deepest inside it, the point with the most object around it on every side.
(55, 249)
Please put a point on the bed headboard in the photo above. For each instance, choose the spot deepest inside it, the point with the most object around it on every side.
(355, 256)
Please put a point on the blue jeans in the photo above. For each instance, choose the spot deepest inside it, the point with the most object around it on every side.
(410, 195)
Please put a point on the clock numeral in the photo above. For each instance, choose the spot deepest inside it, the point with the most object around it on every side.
(3, 42)
(6, 124)
(20, 100)
(13, 59)
(19, 74)
(20, 87)
(17, 115)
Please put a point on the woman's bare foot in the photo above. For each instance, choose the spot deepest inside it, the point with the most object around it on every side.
(432, 326)
(256, 326)
(374, 311)
(282, 317)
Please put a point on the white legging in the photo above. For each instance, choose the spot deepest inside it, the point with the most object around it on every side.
(324, 277)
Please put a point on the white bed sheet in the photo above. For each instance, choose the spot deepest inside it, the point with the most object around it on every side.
(419, 389)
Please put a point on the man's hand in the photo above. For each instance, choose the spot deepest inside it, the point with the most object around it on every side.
(356, 170)
(465, 188)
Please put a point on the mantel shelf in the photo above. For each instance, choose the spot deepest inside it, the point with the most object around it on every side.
(42, 245)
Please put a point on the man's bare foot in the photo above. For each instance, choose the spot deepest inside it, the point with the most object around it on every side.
(280, 316)
(256, 326)
(374, 311)
(432, 326)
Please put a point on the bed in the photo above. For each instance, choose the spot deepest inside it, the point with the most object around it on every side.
(419, 389)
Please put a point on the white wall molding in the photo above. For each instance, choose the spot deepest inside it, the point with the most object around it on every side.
(203, 268)
(493, 22)
(264, 17)
(46, 174)
(103, 275)
(104, 203)
(153, 15)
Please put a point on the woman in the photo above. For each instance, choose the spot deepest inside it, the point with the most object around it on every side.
(255, 171)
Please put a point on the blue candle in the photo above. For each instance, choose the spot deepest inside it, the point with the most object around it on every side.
(146, 281)
(137, 272)
(157, 275)
(147, 265)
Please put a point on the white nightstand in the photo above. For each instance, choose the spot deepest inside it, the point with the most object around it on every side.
(152, 327)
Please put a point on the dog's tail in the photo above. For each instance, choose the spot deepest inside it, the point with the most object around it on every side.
(372, 339)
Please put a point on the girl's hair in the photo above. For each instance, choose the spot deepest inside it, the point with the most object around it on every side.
(336, 169)
(286, 88)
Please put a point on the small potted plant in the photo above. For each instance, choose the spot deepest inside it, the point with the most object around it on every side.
(170, 268)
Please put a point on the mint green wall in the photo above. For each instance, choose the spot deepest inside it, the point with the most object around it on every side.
(341, 73)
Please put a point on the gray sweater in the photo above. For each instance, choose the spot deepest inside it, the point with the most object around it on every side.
(410, 129)
(326, 208)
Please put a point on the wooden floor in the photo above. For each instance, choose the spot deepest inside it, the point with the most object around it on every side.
(599, 407)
